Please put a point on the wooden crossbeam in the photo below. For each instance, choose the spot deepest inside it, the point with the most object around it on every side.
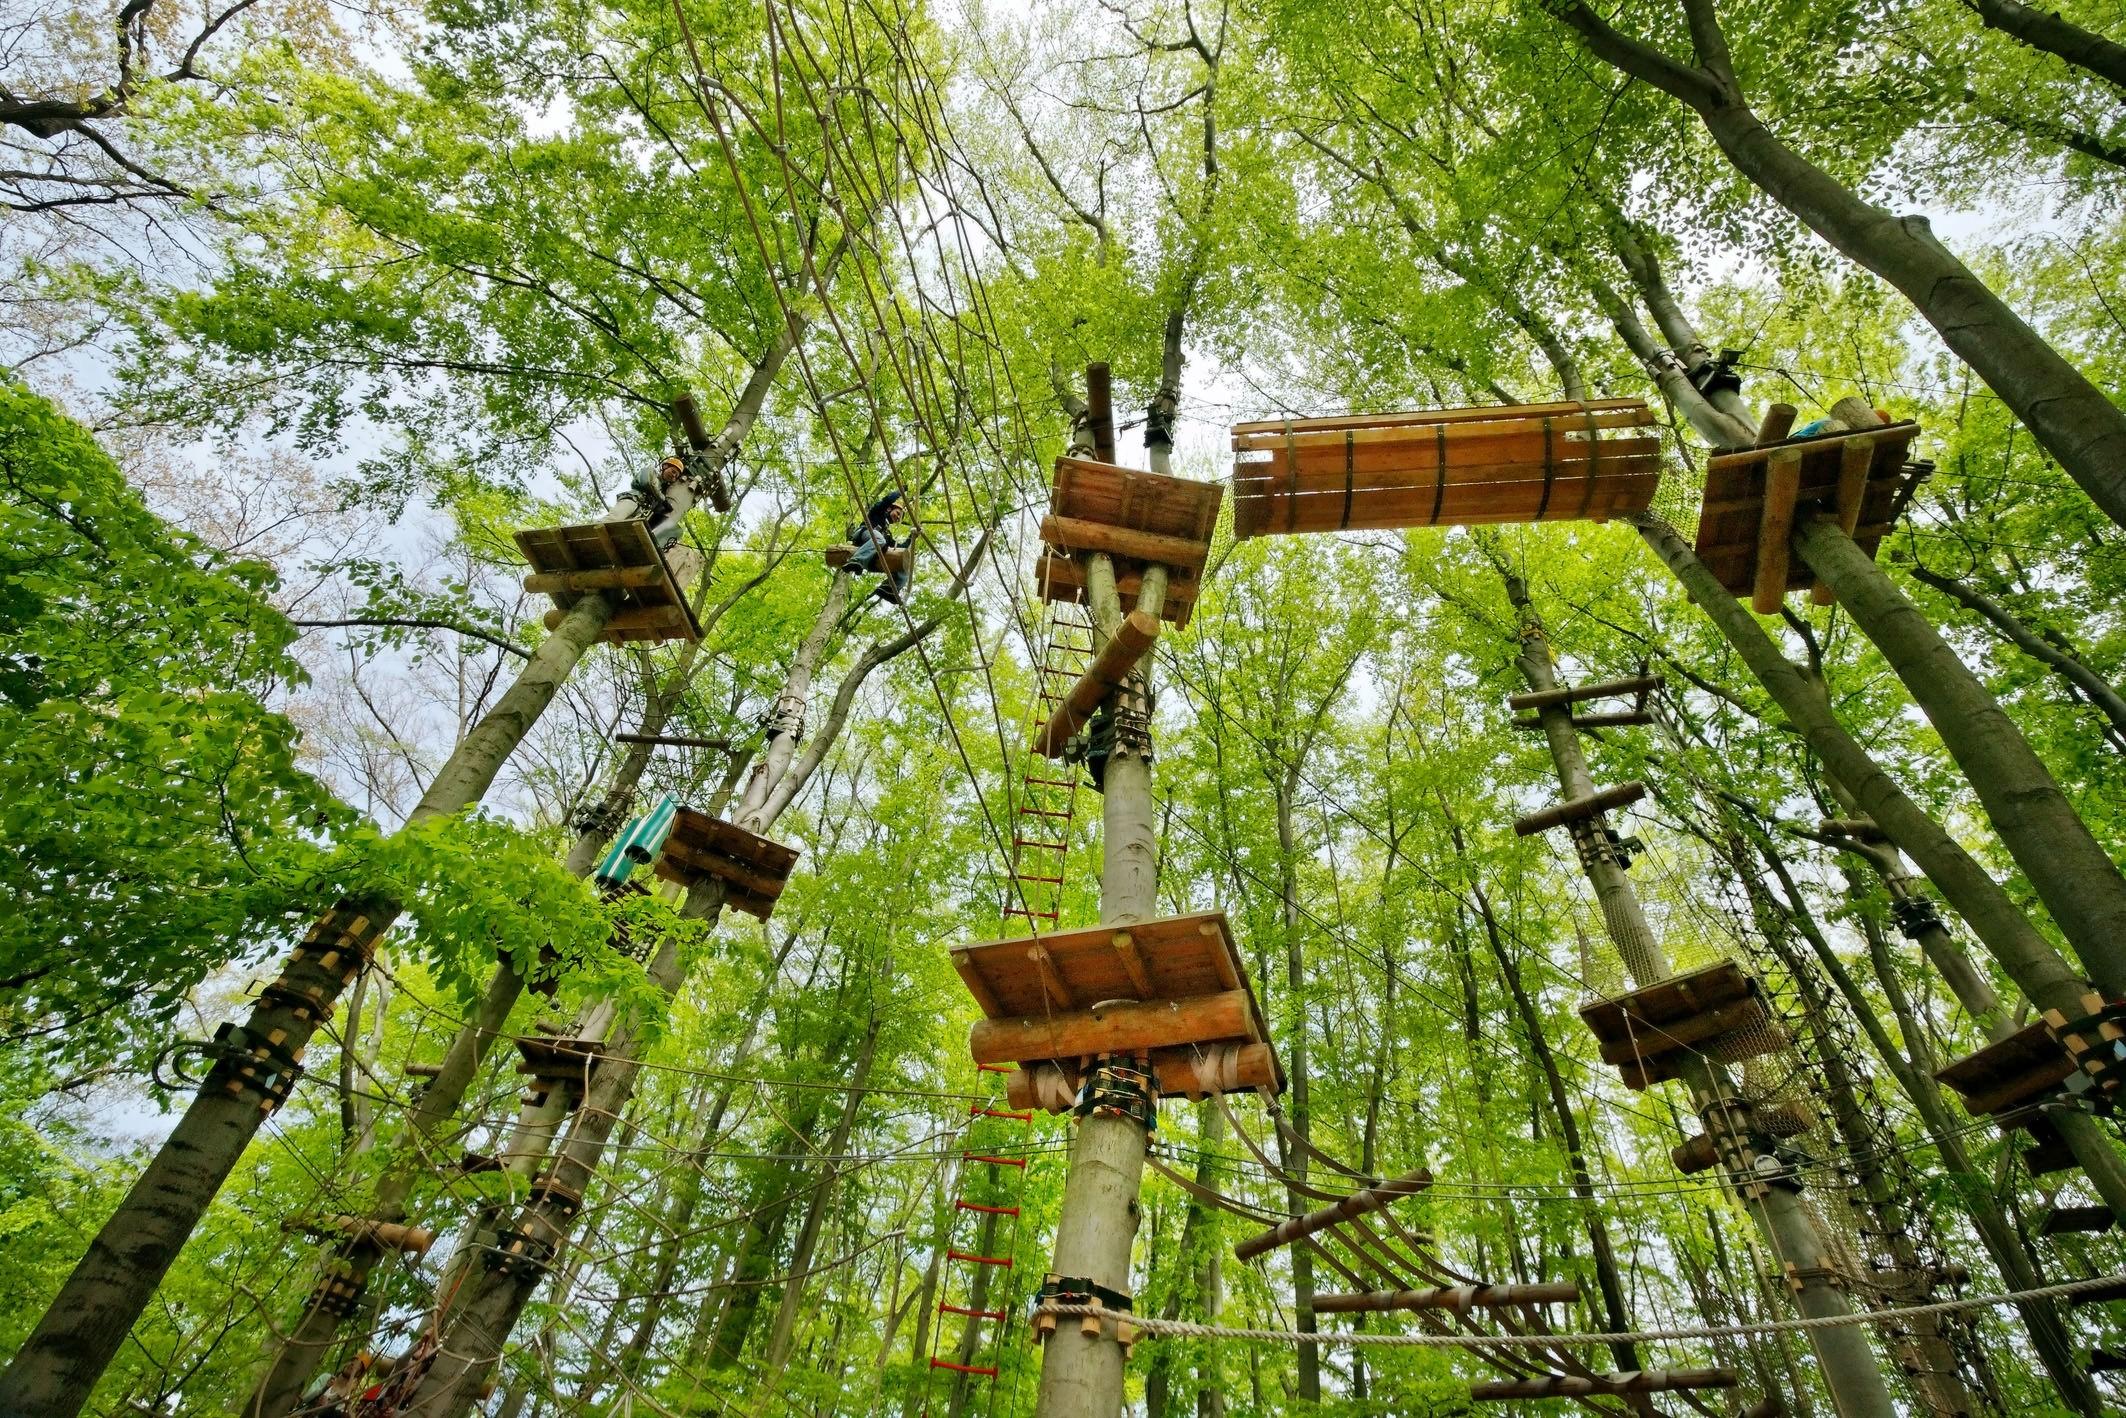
(1183, 1072)
(387, 1235)
(1106, 674)
(1458, 1298)
(1358, 1203)
(1604, 1385)
(1775, 530)
(1577, 809)
(1638, 685)
(1077, 535)
(599, 578)
(2063, 1220)
(1624, 719)
(1650, 1039)
(893, 559)
(1113, 1027)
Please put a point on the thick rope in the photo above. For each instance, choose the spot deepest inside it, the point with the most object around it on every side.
(1154, 1328)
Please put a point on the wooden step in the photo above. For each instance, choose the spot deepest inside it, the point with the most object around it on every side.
(1715, 1010)
(647, 583)
(753, 869)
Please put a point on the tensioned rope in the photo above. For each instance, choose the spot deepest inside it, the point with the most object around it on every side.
(1155, 1328)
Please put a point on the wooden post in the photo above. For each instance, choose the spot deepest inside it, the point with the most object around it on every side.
(1775, 530)
(1100, 410)
(1082, 1365)
(1358, 1203)
(1849, 1366)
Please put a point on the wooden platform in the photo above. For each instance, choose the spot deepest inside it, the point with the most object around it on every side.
(1136, 517)
(753, 869)
(2012, 1073)
(1446, 467)
(1862, 475)
(621, 559)
(1715, 1011)
(1167, 989)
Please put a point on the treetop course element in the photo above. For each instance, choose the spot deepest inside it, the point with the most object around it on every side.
(1585, 460)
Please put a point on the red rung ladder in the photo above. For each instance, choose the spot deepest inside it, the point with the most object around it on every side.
(981, 1255)
(945, 1309)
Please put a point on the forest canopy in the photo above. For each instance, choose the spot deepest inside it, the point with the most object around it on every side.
(688, 689)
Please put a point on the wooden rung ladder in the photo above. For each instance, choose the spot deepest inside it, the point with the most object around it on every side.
(1047, 801)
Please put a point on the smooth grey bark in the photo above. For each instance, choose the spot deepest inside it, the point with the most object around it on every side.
(1849, 1366)
(1669, 376)
(2076, 878)
(2053, 33)
(1081, 1374)
(57, 1367)
(2068, 415)
(2052, 655)
(1640, 262)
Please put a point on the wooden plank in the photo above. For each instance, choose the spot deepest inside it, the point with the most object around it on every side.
(1472, 460)
(1116, 1027)
(1470, 442)
(1474, 496)
(1856, 460)
(743, 875)
(1775, 531)
(1223, 958)
(1128, 497)
(1075, 534)
(1431, 416)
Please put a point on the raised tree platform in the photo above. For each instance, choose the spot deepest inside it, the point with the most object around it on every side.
(1717, 1011)
(619, 558)
(1138, 518)
(1755, 497)
(1172, 991)
(753, 869)
(2013, 1073)
(1446, 467)
(2066, 1220)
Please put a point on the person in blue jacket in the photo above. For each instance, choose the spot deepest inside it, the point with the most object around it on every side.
(871, 538)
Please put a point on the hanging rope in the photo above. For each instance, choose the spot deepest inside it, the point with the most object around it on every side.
(1183, 1329)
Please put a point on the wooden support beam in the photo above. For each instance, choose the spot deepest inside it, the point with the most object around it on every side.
(1575, 809)
(1458, 1298)
(1856, 456)
(1077, 535)
(1607, 689)
(1358, 1203)
(673, 741)
(970, 976)
(1181, 1072)
(1624, 719)
(1775, 530)
(1651, 1040)
(1106, 674)
(1605, 1385)
(2062, 1220)
(1860, 829)
(390, 1235)
(894, 559)
(602, 578)
(1112, 1027)
(1778, 423)
(742, 875)
(1100, 410)
(1133, 964)
(1051, 978)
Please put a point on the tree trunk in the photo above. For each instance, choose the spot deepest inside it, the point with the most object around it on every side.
(2067, 414)
(1644, 268)
(2098, 690)
(1669, 376)
(2050, 31)
(1298, 1095)
(831, 1169)
(1081, 1374)
(2076, 878)
(2037, 969)
(1849, 1366)
(1616, 1315)
(57, 1367)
